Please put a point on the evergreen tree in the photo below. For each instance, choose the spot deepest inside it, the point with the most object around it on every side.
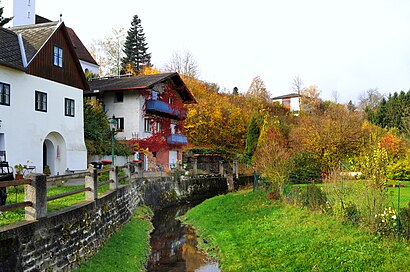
(135, 49)
(252, 137)
(3, 20)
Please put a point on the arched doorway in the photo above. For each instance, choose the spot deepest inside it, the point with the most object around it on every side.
(54, 153)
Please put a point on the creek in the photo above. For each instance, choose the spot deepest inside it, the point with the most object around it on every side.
(174, 245)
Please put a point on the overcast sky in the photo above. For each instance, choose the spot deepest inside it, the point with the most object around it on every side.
(345, 46)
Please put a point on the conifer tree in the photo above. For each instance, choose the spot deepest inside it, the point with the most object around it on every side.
(135, 49)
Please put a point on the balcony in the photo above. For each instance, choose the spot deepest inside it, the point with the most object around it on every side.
(164, 109)
(177, 139)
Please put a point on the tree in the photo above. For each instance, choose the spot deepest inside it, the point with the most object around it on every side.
(297, 85)
(369, 99)
(257, 90)
(135, 48)
(97, 132)
(183, 63)
(330, 136)
(3, 20)
(252, 137)
(310, 100)
(107, 52)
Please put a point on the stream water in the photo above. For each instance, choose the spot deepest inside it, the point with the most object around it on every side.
(174, 245)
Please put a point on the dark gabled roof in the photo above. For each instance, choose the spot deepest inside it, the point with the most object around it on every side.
(35, 36)
(291, 95)
(79, 47)
(10, 53)
(140, 83)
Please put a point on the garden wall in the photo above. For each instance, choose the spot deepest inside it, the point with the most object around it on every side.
(62, 240)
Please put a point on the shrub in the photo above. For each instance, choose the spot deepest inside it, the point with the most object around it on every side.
(399, 170)
(305, 167)
(386, 222)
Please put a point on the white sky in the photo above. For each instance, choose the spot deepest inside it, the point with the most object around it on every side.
(347, 46)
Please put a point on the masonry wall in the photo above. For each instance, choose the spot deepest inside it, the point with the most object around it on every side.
(61, 241)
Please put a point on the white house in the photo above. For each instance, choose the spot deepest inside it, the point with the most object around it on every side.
(149, 111)
(289, 101)
(41, 99)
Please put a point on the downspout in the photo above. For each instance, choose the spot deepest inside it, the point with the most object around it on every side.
(22, 50)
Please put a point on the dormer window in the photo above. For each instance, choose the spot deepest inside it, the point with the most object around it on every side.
(58, 56)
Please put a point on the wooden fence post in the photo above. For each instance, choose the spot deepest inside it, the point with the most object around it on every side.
(140, 169)
(195, 166)
(114, 177)
(127, 170)
(91, 181)
(236, 169)
(36, 192)
(221, 168)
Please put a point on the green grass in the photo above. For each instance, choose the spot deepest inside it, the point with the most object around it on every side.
(16, 194)
(128, 249)
(249, 232)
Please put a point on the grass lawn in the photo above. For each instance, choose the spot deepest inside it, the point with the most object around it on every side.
(128, 249)
(16, 194)
(249, 232)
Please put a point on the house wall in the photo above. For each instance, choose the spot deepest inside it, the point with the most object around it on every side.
(131, 109)
(25, 129)
(91, 67)
(295, 104)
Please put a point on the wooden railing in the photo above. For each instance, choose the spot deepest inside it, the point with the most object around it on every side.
(35, 188)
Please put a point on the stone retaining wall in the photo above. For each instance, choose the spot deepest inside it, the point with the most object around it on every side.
(62, 240)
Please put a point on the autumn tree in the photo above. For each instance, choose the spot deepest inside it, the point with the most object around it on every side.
(310, 100)
(3, 20)
(330, 136)
(257, 90)
(273, 155)
(135, 48)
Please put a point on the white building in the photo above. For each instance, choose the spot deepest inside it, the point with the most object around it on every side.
(41, 99)
(289, 101)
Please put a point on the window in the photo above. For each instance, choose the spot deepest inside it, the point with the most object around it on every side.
(41, 101)
(157, 127)
(69, 107)
(147, 125)
(4, 94)
(58, 56)
(120, 124)
(119, 97)
(154, 95)
(170, 101)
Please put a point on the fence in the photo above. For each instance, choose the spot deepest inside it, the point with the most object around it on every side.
(35, 188)
(385, 209)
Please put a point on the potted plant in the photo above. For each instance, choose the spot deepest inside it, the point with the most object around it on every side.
(18, 168)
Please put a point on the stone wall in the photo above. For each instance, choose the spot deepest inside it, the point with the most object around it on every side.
(62, 240)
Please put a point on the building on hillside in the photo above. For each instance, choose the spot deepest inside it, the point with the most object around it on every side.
(289, 101)
(41, 99)
(149, 111)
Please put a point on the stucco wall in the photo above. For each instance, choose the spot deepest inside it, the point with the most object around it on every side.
(25, 129)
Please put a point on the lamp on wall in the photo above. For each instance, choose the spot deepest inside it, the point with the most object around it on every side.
(113, 127)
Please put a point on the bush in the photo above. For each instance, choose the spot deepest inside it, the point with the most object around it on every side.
(305, 167)
(386, 222)
(399, 170)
